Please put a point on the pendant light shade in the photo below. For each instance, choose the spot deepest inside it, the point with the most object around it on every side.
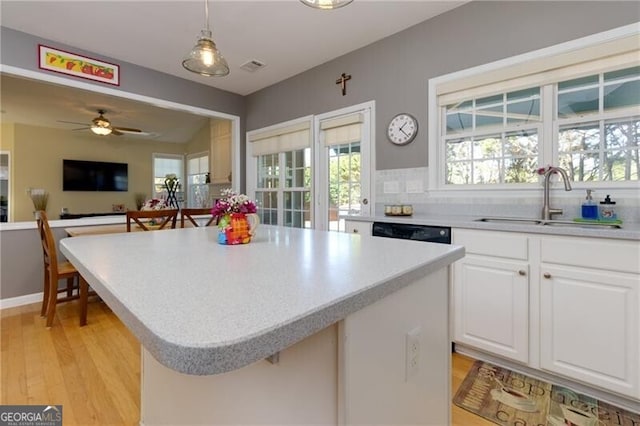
(205, 58)
(326, 4)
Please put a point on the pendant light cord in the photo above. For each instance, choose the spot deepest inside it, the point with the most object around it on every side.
(206, 14)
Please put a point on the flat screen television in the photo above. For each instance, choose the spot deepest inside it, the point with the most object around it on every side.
(80, 175)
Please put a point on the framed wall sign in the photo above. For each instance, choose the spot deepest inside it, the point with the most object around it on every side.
(57, 60)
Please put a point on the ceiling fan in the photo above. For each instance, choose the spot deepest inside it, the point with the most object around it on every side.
(102, 126)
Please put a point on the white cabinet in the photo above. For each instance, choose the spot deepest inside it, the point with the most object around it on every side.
(357, 227)
(220, 151)
(491, 293)
(569, 306)
(589, 312)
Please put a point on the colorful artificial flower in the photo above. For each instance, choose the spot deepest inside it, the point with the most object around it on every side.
(232, 202)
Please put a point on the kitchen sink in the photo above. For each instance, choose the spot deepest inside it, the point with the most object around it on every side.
(581, 224)
(522, 221)
(565, 223)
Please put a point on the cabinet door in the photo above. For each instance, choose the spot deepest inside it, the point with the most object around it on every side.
(353, 227)
(491, 304)
(221, 151)
(590, 326)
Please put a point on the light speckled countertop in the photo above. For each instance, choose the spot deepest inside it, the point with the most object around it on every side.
(629, 231)
(204, 308)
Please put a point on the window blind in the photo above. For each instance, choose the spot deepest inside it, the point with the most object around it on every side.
(290, 138)
(341, 130)
(593, 59)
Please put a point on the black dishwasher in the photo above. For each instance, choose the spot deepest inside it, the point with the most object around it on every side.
(431, 234)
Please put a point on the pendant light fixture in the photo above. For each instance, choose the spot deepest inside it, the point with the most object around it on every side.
(205, 58)
(326, 4)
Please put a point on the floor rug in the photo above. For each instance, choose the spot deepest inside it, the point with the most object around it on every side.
(505, 397)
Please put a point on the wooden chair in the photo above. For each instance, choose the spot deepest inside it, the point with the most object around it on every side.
(189, 213)
(163, 217)
(55, 271)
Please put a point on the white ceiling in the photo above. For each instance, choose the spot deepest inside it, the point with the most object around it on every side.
(286, 35)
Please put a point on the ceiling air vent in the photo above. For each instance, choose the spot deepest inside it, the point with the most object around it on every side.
(252, 65)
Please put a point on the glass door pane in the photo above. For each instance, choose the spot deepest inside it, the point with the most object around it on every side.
(344, 184)
(344, 158)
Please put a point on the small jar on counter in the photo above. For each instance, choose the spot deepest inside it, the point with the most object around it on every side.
(608, 209)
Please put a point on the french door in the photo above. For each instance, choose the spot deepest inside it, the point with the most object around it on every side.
(313, 172)
(344, 160)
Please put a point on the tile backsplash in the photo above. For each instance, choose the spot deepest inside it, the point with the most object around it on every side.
(409, 186)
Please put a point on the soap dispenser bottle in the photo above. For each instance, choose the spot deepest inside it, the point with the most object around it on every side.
(589, 207)
(607, 209)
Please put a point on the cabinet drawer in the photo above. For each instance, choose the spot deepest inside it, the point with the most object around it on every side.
(354, 227)
(609, 255)
(498, 244)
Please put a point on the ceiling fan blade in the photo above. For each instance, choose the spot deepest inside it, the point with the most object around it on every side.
(81, 128)
(127, 129)
(71, 122)
(116, 132)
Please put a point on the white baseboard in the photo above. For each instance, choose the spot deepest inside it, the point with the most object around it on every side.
(12, 302)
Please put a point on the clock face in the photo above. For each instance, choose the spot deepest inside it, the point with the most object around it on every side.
(402, 129)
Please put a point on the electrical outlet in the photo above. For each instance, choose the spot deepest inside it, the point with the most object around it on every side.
(391, 187)
(412, 350)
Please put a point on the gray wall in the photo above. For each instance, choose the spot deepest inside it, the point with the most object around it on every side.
(20, 50)
(20, 252)
(395, 71)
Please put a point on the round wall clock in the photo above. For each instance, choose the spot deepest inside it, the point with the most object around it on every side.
(402, 129)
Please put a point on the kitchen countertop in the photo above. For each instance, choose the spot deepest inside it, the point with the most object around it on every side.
(629, 231)
(204, 308)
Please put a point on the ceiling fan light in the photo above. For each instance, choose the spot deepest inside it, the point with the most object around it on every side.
(326, 4)
(205, 58)
(102, 131)
(100, 125)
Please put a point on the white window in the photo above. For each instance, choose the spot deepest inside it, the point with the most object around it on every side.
(575, 105)
(599, 126)
(198, 179)
(279, 164)
(163, 165)
(493, 139)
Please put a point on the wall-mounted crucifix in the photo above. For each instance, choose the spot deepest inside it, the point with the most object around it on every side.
(342, 81)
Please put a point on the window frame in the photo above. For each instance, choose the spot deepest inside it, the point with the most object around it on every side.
(161, 155)
(548, 137)
(187, 184)
(252, 166)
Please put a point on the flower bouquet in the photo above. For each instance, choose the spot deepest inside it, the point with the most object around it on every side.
(237, 218)
(154, 204)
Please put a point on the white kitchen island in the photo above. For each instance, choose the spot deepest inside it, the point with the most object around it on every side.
(358, 324)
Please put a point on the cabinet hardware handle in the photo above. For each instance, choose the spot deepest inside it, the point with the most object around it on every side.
(522, 273)
(355, 231)
(547, 275)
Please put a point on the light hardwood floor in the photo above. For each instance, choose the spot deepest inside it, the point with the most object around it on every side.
(94, 371)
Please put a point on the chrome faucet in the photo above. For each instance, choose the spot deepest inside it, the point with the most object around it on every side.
(547, 211)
